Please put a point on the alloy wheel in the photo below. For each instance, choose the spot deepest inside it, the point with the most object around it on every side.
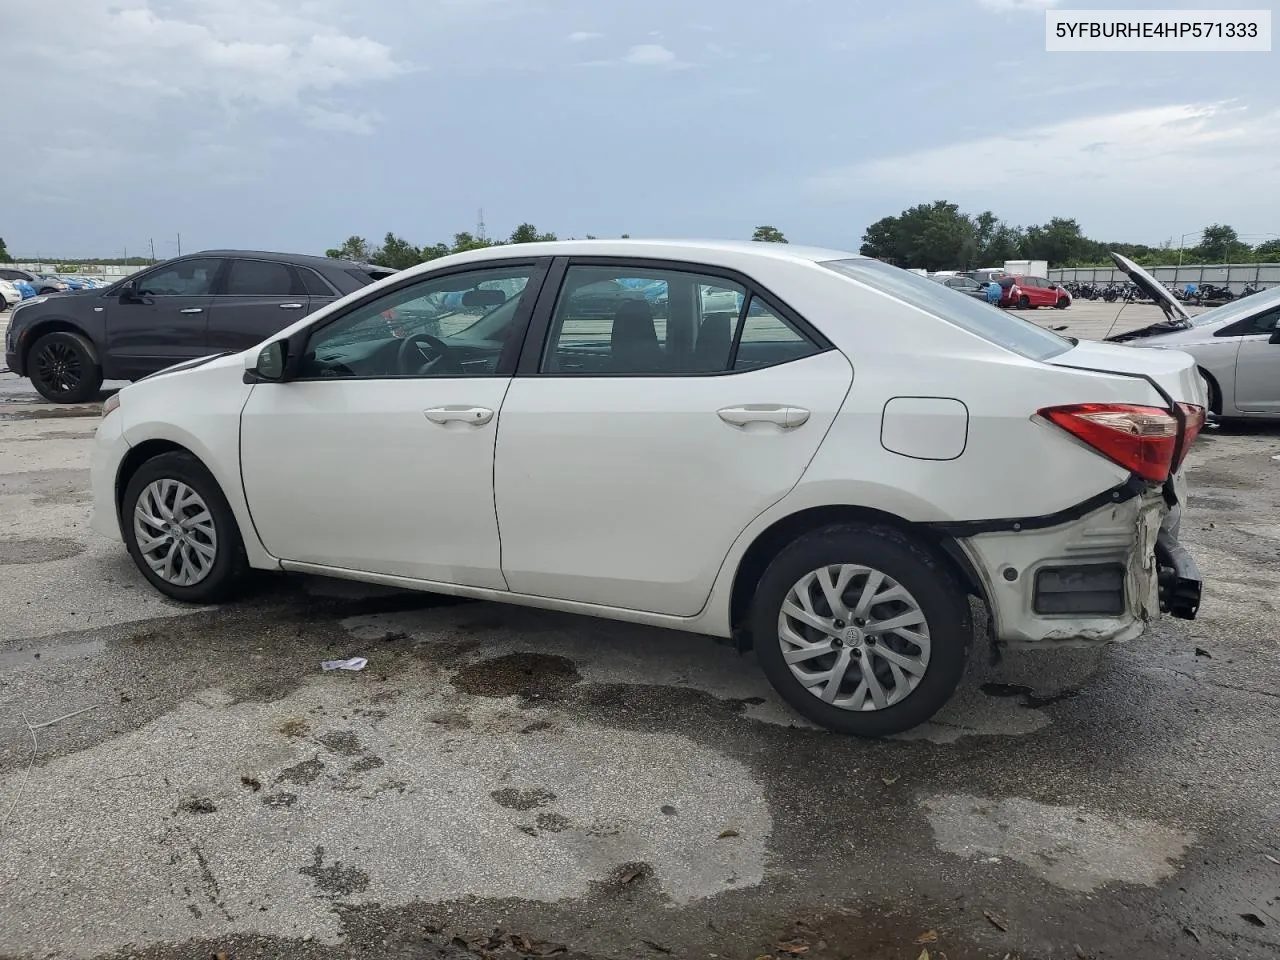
(175, 532)
(854, 637)
(58, 366)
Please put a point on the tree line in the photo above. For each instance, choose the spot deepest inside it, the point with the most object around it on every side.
(397, 253)
(940, 236)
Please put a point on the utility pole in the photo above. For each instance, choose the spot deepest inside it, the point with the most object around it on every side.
(179, 244)
(153, 251)
(480, 225)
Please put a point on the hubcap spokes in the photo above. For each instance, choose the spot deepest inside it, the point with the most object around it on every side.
(175, 532)
(58, 366)
(854, 637)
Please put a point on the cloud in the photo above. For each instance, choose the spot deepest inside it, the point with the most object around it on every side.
(1032, 5)
(582, 36)
(649, 55)
(1177, 152)
(339, 121)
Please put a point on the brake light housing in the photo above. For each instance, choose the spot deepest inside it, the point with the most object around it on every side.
(1193, 424)
(1140, 438)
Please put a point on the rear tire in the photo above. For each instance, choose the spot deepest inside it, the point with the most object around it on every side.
(906, 581)
(181, 532)
(62, 368)
(1024, 302)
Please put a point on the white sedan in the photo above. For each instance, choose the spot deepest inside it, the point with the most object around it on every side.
(828, 472)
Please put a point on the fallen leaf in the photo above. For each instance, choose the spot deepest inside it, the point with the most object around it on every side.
(628, 875)
(252, 783)
(996, 920)
(1201, 652)
(929, 936)
(890, 781)
(1082, 955)
(656, 946)
(1272, 859)
(726, 834)
(794, 947)
(924, 954)
(1253, 918)
(219, 956)
(540, 948)
(1191, 933)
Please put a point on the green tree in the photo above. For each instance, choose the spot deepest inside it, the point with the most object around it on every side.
(397, 253)
(768, 234)
(528, 233)
(4, 253)
(1059, 241)
(1268, 252)
(353, 248)
(1220, 243)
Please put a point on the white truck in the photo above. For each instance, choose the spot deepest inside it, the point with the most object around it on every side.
(1027, 268)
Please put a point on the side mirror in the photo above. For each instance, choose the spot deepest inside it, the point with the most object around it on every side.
(269, 362)
(129, 290)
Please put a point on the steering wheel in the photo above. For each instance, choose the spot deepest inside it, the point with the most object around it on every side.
(412, 360)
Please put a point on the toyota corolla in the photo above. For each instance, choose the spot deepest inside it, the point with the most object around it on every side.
(820, 455)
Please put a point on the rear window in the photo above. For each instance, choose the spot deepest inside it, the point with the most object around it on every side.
(991, 323)
(369, 275)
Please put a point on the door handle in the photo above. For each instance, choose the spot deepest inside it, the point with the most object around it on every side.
(192, 310)
(786, 417)
(477, 416)
(290, 306)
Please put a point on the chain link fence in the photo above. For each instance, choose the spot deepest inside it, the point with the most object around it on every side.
(1234, 276)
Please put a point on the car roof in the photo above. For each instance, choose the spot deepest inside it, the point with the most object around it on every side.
(302, 259)
(656, 249)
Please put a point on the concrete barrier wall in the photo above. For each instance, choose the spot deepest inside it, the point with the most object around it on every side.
(1234, 276)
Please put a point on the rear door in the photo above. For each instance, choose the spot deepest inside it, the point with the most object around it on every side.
(255, 299)
(643, 433)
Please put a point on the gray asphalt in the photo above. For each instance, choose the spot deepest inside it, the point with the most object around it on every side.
(617, 790)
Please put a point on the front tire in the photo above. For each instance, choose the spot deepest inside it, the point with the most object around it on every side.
(1062, 303)
(861, 629)
(1024, 302)
(63, 369)
(181, 532)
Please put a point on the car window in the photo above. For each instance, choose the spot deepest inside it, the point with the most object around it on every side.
(768, 340)
(1261, 323)
(460, 324)
(637, 320)
(996, 326)
(314, 284)
(260, 278)
(185, 278)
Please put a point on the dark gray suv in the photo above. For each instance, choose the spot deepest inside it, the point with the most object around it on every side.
(217, 301)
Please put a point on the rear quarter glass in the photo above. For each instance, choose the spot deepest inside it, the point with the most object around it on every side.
(995, 326)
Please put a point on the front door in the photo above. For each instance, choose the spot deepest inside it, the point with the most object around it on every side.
(255, 300)
(377, 454)
(1258, 366)
(666, 412)
(164, 322)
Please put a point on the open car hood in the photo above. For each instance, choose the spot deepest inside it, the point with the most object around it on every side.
(1153, 288)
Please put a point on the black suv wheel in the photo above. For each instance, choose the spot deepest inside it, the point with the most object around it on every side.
(62, 368)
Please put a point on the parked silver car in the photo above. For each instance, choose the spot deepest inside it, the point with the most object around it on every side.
(1236, 346)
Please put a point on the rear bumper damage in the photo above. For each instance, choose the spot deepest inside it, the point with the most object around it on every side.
(1096, 579)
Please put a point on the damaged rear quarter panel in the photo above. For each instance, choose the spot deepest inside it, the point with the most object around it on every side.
(1122, 533)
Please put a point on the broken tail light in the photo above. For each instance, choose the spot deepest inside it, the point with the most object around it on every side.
(1195, 423)
(1139, 438)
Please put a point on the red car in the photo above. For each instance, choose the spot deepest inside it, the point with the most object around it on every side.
(1029, 292)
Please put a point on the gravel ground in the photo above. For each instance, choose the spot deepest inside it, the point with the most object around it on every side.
(614, 790)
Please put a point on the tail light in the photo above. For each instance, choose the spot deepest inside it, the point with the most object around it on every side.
(1140, 439)
(1195, 417)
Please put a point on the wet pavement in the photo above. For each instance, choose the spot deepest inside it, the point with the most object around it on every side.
(509, 782)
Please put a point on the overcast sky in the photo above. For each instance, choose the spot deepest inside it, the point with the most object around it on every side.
(291, 124)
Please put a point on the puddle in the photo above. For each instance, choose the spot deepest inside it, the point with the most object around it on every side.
(878, 930)
(531, 676)
(49, 413)
(14, 658)
(38, 551)
(1029, 697)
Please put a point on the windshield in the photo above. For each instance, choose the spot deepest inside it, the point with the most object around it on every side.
(1239, 309)
(983, 319)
